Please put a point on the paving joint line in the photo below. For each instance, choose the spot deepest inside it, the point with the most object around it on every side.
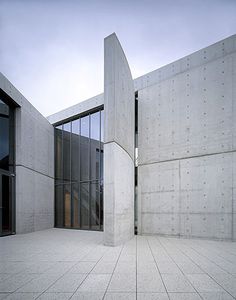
(204, 272)
(113, 271)
(179, 268)
(157, 268)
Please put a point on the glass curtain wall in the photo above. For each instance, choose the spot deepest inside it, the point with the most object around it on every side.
(79, 173)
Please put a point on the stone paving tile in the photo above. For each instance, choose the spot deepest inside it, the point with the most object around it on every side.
(88, 296)
(104, 268)
(51, 262)
(152, 296)
(61, 267)
(189, 267)
(122, 283)
(168, 268)
(3, 295)
(67, 283)
(120, 296)
(146, 267)
(38, 267)
(12, 267)
(184, 296)
(228, 282)
(55, 296)
(4, 276)
(177, 283)
(125, 268)
(15, 282)
(39, 284)
(150, 282)
(22, 296)
(95, 282)
(83, 267)
(203, 283)
(216, 296)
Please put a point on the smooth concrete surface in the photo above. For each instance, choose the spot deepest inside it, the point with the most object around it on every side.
(119, 98)
(190, 197)
(34, 161)
(193, 60)
(77, 109)
(71, 264)
(118, 195)
(186, 145)
(119, 114)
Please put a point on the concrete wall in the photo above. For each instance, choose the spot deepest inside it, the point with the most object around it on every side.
(34, 160)
(187, 122)
(118, 146)
(77, 109)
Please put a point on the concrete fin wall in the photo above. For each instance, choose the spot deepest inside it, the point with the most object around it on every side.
(119, 112)
(34, 164)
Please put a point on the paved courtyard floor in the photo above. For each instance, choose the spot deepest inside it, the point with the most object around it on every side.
(70, 264)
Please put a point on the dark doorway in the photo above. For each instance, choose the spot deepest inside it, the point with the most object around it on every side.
(6, 204)
(7, 211)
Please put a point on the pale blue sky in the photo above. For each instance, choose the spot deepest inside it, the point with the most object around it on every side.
(52, 50)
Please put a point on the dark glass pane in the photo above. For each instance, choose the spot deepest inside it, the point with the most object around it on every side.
(102, 125)
(95, 159)
(59, 204)
(6, 204)
(85, 126)
(66, 151)
(76, 205)
(101, 169)
(101, 205)
(4, 142)
(84, 205)
(75, 150)
(95, 205)
(67, 203)
(95, 146)
(79, 203)
(95, 126)
(67, 127)
(58, 153)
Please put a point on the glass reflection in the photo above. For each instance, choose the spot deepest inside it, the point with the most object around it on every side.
(79, 173)
(84, 205)
(66, 151)
(58, 154)
(75, 150)
(67, 203)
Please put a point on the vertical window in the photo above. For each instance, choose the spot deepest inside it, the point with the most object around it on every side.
(84, 147)
(95, 146)
(75, 151)
(66, 151)
(79, 173)
(58, 154)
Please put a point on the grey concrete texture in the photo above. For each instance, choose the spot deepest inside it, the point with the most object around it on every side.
(190, 197)
(118, 195)
(118, 96)
(72, 264)
(191, 61)
(119, 114)
(77, 109)
(34, 164)
(186, 144)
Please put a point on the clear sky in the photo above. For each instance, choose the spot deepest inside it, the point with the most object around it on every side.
(52, 50)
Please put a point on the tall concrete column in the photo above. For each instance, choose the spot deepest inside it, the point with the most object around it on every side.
(119, 108)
